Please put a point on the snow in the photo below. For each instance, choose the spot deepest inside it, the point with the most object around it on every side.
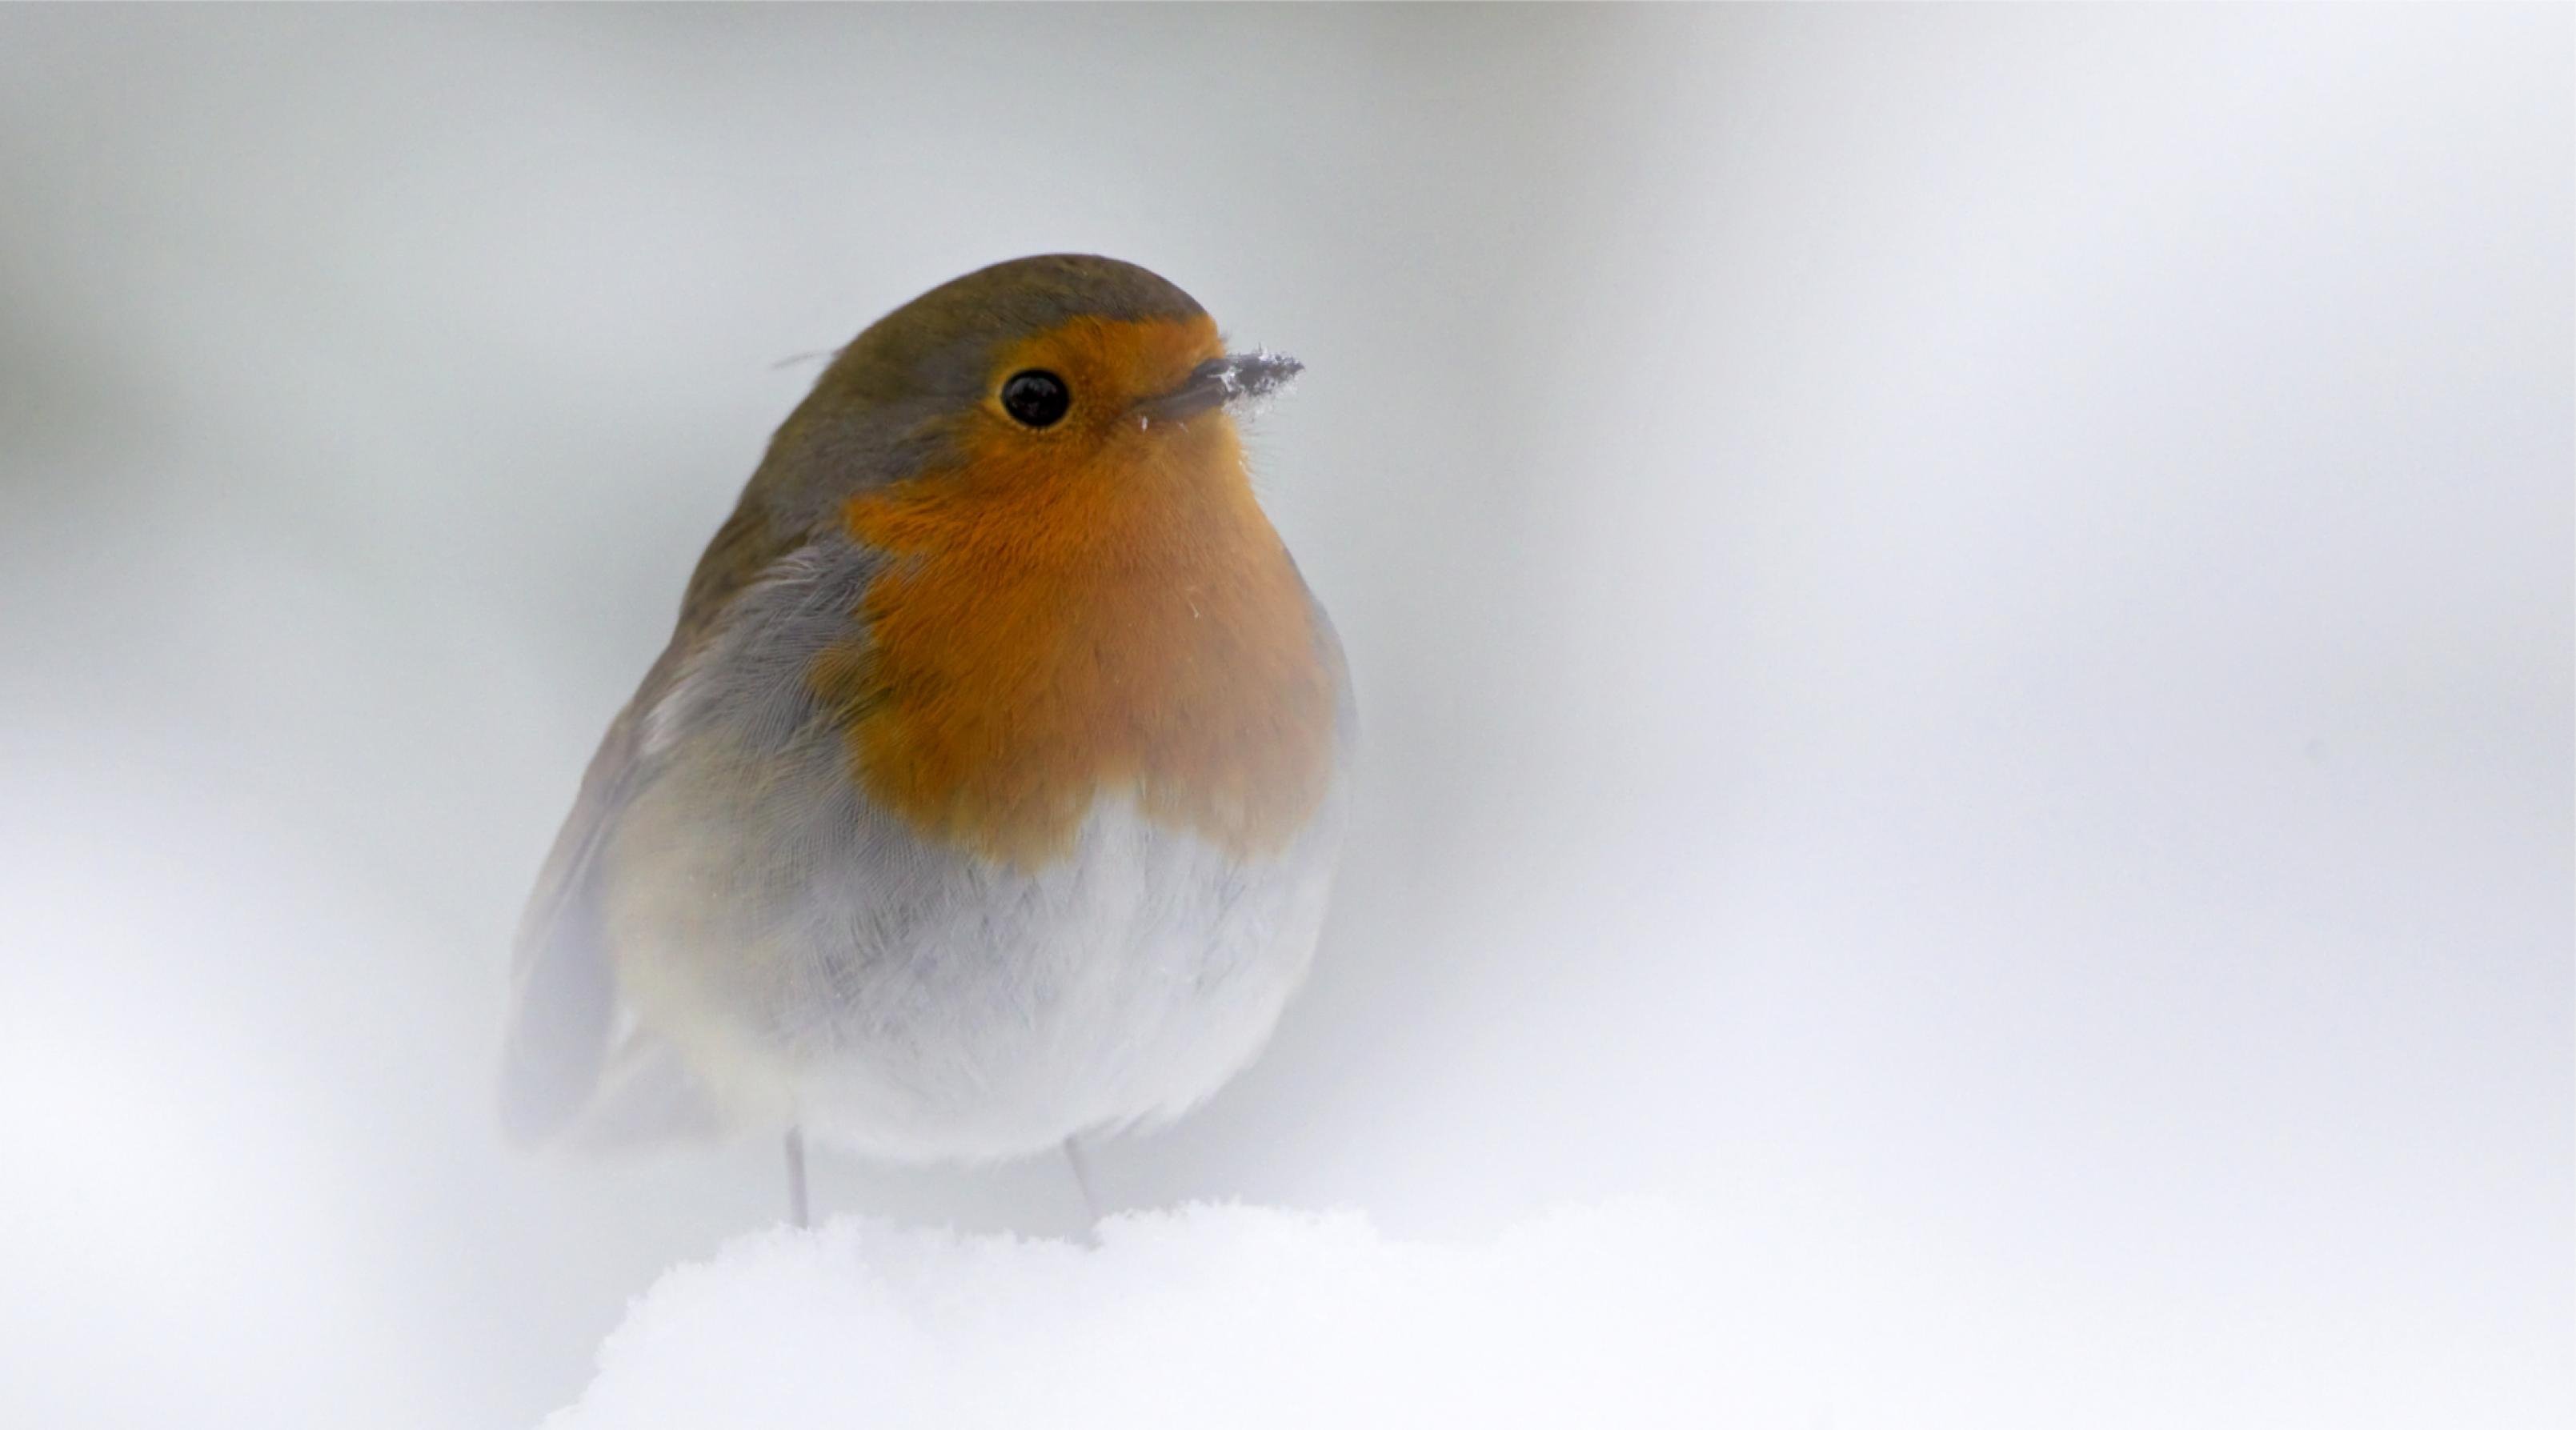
(1207, 1315)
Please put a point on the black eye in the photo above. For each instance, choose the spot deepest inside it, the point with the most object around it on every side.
(1036, 398)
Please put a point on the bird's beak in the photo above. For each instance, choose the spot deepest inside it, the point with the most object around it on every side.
(1236, 377)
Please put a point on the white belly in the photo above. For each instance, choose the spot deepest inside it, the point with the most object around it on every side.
(1125, 984)
(920, 1005)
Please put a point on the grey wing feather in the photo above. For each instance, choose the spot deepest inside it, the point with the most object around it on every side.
(558, 1065)
(566, 1067)
(564, 987)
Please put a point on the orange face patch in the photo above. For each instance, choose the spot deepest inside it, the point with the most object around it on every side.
(1092, 608)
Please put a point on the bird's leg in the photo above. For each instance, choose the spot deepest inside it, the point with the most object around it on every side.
(796, 1177)
(1082, 1181)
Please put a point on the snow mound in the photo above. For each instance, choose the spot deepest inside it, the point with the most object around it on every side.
(1205, 1316)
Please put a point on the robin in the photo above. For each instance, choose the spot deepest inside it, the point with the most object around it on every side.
(988, 793)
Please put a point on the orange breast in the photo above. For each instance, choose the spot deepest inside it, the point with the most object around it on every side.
(1052, 631)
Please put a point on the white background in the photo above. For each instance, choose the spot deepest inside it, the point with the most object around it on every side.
(1963, 620)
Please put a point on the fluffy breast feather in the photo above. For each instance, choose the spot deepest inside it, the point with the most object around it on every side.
(1037, 640)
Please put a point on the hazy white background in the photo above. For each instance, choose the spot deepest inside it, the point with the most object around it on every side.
(1963, 618)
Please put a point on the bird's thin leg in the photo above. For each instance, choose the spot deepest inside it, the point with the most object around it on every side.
(1082, 1179)
(796, 1177)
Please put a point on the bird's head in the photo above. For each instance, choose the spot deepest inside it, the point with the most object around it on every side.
(1054, 369)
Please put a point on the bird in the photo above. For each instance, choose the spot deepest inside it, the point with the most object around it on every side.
(987, 797)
